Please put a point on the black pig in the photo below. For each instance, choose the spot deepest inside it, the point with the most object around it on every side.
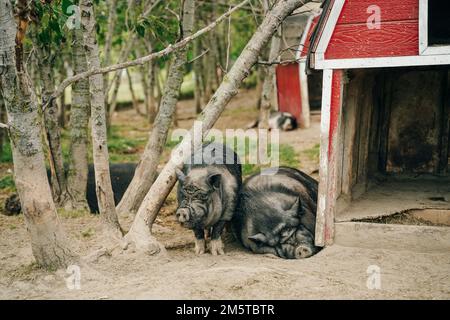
(121, 176)
(277, 213)
(208, 192)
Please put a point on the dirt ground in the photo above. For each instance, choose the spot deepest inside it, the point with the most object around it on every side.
(334, 273)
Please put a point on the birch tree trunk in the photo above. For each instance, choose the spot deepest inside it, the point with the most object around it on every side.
(79, 121)
(112, 19)
(268, 84)
(134, 99)
(51, 121)
(198, 90)
(140, 232)
(146, 170)
(2, 120)
(48, 241)
(103, 186)
(149, 79)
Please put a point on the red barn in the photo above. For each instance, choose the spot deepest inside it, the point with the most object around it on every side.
(385, 112)
(293, 90)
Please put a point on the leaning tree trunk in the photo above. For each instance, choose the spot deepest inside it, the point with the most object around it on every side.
(146, 170)
(51, 121)
(267, 87)
(77, 175)
(103, 188)
(48, 241)
(140, 231)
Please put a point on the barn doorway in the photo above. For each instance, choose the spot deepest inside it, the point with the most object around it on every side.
(395, 143)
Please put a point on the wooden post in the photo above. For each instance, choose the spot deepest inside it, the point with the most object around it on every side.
(305, 109)
(329, 141)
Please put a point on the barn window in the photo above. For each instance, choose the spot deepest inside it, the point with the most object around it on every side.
(438, 26)
(434, 29)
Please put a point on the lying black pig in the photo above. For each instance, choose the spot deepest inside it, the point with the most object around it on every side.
(278, 120)
(277, 213)
(207, 194)
(121, 176)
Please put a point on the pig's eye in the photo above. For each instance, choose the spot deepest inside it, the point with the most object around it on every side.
(286, 233)
(203, 196)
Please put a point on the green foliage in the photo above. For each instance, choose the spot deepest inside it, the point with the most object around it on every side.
(7, 183)
(52, 17)
(6, 155)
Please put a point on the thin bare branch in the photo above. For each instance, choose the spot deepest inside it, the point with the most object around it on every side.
(198, 57)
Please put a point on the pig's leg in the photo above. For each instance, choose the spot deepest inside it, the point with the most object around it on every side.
(200, 244)
(216, 241)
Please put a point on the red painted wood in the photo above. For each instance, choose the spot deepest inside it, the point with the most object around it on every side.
(333, 154)
(306, 46)
(357, 41)
(288, 87)
(355, 11)
(335, 109)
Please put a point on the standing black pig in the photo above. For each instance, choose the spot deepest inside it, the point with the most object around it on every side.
(277, 213)
(208, 191)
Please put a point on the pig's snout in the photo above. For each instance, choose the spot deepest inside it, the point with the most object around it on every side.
(182, 215)
(303, 251)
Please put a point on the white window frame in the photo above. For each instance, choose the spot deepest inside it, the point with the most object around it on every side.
(424, 48)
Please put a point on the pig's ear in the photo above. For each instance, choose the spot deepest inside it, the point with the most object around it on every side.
(214, 180)
(295, 206)
(180, 175)
(259, 237)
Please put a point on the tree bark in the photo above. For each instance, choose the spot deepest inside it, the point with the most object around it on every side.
(48, 241)
(112, 19)
(198, 90)
(134, 99)
(103, 186)
(117, 79)
(2, 120)
(140, 233)
(51, 121)
(149, 79)
(79, 121)
(267, 87)
(146, 170)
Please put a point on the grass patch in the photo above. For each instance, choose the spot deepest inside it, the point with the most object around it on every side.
(287, 156)
(88, 233)
(72, 214)
(6, 154)
(7, 183)
(313, 153)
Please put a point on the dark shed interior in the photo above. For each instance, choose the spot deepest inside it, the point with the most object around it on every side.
(394, 136)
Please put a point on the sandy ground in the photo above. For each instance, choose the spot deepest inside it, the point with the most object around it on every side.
(336, 272)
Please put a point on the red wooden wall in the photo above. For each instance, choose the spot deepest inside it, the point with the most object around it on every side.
(397, 36)
(288, 88)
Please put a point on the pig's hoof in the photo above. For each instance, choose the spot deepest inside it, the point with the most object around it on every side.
(200, 246)
(302, 252)
(217, 247)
